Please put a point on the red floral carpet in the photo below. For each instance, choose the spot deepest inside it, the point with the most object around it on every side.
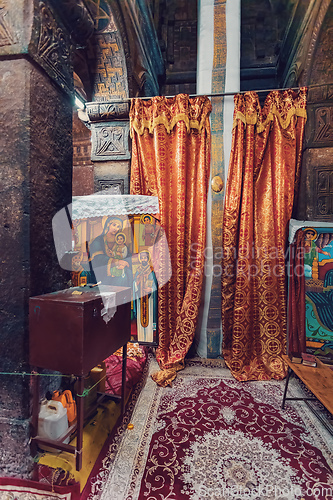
(210, 437)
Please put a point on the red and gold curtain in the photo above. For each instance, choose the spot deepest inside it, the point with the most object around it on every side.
(296, 296)
(170, 159)
(263, 175)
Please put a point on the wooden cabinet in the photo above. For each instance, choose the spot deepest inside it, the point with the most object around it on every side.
(69, 334)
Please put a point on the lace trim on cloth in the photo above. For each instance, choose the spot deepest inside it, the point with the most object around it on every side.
(274, 106)
(96, 205)
(168, 112)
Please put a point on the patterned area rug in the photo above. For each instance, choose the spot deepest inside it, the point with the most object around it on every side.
(210, 437)
(21, 489)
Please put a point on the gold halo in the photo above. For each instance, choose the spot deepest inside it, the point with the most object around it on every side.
(121, 234)
(143, 216)
(144, 251)
(313, 230)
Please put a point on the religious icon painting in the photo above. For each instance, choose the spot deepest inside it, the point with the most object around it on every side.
(145, 299)
(105, 245)
(318, 271)
(111, 240)
(118, 250)
(145, 285)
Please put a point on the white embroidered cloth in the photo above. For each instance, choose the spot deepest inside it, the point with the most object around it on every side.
(110, 308)
(99, 205)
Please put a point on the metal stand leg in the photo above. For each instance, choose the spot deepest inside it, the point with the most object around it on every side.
(79, 436)
(286, 387)
(35, 382)
(123, 380)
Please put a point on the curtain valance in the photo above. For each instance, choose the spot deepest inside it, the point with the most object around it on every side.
(168, 111)
(283, 105)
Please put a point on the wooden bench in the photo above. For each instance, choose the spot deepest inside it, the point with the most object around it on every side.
(319, 380)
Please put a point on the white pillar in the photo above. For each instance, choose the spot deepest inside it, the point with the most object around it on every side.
(232, 81)
(204, 86)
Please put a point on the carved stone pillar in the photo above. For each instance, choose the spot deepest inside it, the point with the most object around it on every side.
(109, 123)
(123, 59)
(35, 182)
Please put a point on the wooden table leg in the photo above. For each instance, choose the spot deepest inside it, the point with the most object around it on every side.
(123, 380)
(80, 418)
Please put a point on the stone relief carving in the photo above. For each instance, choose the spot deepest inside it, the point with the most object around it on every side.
(7, 33)
(111, 186)
(76, 17)
(53, 50)
(110, 141)
(310, 50)
(320, 94)
(108, 111)
(321, 70)
(323, 194)
(323, 125)
(319, 126)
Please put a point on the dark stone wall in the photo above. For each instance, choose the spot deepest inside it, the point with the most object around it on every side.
(14, 229)
(50, 178)
(315, 62)
(35, 182)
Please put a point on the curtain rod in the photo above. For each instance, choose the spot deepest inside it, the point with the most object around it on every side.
(223, 94)
(217, 94)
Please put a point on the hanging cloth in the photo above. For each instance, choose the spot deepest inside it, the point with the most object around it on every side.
(170, 159)
(296, 296)
(263, 177)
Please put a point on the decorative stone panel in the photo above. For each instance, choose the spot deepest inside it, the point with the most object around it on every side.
(112, 175)
(323, 194)
(8, 35)
(56, 29)
(110, 141)
(113, 186)
(14, 21)
(107, 111)
(51, 47)
(319, 127)
(316, 188)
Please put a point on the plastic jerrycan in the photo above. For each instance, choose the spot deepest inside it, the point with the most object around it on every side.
(52, 421)
(67, 401)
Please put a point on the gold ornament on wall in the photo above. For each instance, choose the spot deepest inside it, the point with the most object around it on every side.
(217, 184)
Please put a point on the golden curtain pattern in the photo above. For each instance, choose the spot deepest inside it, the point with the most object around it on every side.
(263, 176)
(170, 159)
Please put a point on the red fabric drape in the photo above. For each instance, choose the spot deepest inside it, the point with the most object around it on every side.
(263, 173)
(296, 302)
(170, 159)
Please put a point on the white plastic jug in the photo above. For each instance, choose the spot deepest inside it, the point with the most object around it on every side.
(52, 421)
